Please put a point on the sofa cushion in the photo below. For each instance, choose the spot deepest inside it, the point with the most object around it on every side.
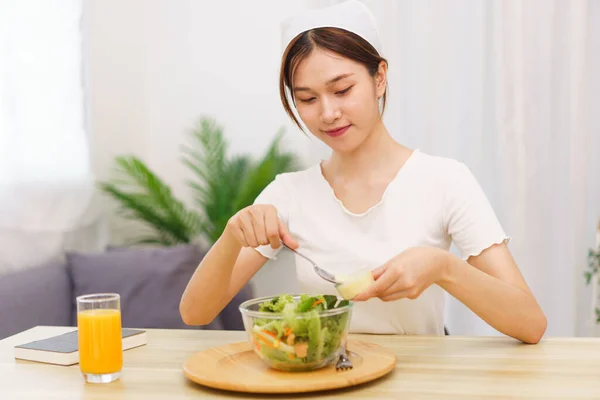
(150, 282)
(36, 296)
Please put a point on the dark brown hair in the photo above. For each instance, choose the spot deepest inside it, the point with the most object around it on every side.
(337, 40)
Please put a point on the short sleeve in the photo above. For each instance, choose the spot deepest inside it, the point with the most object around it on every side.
(277, 194)
(469, 217)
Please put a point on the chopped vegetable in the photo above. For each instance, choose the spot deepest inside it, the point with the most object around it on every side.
(301, 349)
(352, 285)
(300, 335)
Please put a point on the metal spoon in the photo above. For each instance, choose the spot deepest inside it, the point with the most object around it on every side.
(328, 276)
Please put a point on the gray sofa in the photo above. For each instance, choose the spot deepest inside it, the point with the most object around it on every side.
(149, 280)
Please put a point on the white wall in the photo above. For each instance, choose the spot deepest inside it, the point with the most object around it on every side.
(467, 82)
(155, 67)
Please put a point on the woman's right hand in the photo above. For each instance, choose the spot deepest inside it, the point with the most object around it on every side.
(258, 225)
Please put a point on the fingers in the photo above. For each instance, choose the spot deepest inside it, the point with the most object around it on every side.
(377, 272)
(394, 292)
(386, 279)
(258, 224)
(238, 233)
(396, 296)
(401, 291)
(272, 228)
(286, 236)
(248, 229)
(391, 283)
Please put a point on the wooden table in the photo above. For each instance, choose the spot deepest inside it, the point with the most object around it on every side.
(428, 368)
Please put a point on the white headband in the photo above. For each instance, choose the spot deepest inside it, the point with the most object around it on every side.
(350, 15)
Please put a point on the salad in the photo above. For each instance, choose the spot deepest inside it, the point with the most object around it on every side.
(299, 335)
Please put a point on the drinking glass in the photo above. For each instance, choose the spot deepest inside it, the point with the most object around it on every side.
(100, 338)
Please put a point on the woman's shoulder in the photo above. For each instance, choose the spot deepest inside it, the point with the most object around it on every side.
(437, 162)
(286, 185)
(299, 177)
(439, 167)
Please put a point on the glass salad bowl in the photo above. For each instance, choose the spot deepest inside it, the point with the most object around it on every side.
(297, 332)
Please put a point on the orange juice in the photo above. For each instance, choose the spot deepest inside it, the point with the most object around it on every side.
(100, 341)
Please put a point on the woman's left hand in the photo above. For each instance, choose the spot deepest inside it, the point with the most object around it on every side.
(408, 274)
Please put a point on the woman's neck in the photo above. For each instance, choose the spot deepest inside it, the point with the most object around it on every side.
(378, 154)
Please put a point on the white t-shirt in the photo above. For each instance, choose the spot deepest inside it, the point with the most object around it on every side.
(432, 201)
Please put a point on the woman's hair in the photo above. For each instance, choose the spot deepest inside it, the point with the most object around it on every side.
(337, 40)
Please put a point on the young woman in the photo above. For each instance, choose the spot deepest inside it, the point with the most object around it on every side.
(373, 202)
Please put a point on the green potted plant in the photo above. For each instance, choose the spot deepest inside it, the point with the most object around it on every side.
(222, 185)
(591, 275)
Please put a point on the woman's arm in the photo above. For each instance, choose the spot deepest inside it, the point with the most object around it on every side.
(225, 269)
(231, 262)
(496, 291)
(489, 284)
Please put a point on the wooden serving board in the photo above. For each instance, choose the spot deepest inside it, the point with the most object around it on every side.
(236, 367)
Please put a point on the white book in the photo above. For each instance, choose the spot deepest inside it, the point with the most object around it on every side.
(64, 349)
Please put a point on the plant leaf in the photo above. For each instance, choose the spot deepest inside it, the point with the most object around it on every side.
(142, 195)
(221, 186)
(264, 172)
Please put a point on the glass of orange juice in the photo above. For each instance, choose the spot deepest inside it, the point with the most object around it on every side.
(100, 338)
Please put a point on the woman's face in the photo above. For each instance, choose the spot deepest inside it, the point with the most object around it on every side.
(337, 99)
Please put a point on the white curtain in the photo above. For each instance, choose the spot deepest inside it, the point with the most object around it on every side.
(511, 88)
(47, 201)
